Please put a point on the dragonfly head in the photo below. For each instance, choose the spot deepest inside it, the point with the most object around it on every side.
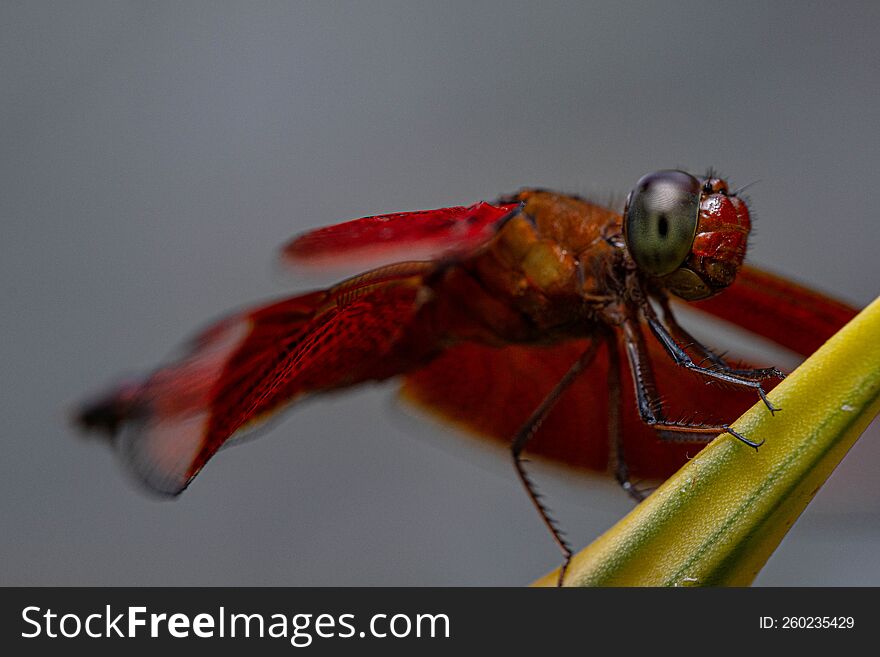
(687, 233)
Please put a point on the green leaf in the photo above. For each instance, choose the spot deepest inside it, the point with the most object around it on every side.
(718, 519)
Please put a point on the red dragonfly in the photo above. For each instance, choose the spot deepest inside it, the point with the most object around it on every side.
(512, 319)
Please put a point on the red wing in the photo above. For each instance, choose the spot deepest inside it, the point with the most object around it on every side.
(786, 313)
(424, 235)
(492, 392)
(249, 365)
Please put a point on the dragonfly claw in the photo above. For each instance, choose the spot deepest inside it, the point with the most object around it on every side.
(742, 438)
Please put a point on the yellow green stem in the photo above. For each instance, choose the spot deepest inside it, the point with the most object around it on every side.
(718, 519)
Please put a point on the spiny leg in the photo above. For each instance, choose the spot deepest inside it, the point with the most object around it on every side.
(682, 335)
(682, 359)
(528, 430)
(615, 438)
(649, 404)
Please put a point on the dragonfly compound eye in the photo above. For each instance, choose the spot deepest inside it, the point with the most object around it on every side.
(660, 221)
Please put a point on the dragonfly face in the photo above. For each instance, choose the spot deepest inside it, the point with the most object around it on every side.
(688, 234)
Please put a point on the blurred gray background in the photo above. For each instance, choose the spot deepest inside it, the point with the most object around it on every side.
(154, 155)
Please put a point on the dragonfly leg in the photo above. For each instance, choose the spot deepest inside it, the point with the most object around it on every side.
(615, 439)
(682, 335)
(648, 400)
(683, 359)
(525, 434)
